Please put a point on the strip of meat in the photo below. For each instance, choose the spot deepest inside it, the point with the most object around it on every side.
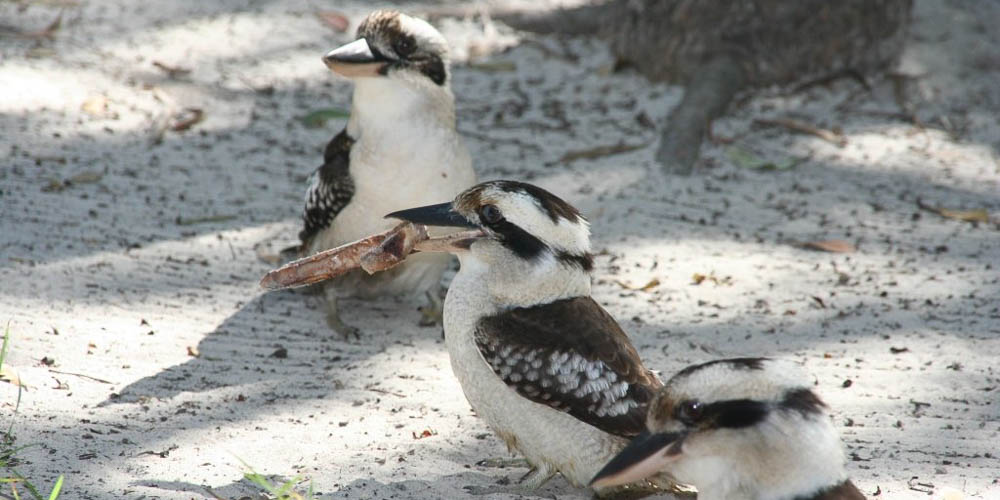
(374, 253)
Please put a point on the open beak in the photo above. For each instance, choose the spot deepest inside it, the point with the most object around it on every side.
(442, 214)
(355, 59)
(646, 455)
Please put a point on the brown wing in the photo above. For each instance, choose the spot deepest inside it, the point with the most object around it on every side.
(330, 188)
(571, 355)
(843, 491)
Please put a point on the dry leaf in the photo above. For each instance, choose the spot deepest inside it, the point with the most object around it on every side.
(53, 186)
(835, 246)
(193, 352)
(424, 434)
(95, 106)
(600, 152)
(186, 119)
(494, 66)
(335, 20)
(9, 374)
(85, 178)
(979, 215)
(698, 278)
(965, 215)
(651, 284)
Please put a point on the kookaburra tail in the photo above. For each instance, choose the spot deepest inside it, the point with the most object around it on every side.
(548, 369)
(399, 149)
(737, 429)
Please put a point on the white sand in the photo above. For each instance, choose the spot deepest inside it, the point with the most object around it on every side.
(100, 277)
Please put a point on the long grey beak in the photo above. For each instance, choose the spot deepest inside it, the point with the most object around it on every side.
(355, 59)
(646, 455)
(442, 214)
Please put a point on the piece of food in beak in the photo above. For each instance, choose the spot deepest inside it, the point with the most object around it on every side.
(337, 261)
(646, 455)
(394, 249)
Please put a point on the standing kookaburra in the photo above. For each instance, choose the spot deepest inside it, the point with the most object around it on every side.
(399, 149)
(545, 366)
(743, 428)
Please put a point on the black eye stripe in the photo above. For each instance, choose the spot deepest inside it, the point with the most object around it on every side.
(733, 414)
(738, 413)
(519, 241)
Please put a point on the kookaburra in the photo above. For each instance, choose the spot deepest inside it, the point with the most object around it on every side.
(735, 429)
(399, 149)
(547, 368)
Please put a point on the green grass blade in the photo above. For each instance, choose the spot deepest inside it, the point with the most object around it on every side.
(56, 489)
(6, 343)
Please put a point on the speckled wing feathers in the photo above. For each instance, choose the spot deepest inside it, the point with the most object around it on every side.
(572, 356)
(330, 188)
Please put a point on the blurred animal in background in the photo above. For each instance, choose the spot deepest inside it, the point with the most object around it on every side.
(716, 48)
(399, 149)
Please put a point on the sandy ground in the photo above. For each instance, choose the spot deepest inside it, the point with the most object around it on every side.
(126, 248)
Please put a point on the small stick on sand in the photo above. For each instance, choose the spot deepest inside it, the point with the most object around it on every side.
(827, 135)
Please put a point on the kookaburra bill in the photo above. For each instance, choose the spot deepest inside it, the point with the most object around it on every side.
(735, 429)
(399, 149)
(545, 366)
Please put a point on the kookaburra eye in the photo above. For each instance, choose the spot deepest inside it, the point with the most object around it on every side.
(404, 46)
(689, 412)
(490, 214)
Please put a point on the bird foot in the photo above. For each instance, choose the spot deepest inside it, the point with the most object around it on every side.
(346, 331)
(432, 313)
(535, 478)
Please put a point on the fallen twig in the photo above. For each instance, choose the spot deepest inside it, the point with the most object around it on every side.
(95, 379)
(201, 220)
(799, 126)
(383, 391)
(600, 151)
(172, 71)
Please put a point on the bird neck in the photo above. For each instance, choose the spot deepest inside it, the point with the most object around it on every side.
(383, 105)
(512, 283)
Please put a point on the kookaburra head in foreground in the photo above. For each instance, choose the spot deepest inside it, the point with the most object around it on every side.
(399, 149)
(744, 428)
(545, 366)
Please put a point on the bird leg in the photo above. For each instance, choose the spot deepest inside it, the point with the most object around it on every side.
(333, 316)
(705, 98)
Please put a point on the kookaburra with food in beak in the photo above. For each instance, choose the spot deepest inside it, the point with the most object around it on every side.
(735, 429)
(399, 149)
(547, 368)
